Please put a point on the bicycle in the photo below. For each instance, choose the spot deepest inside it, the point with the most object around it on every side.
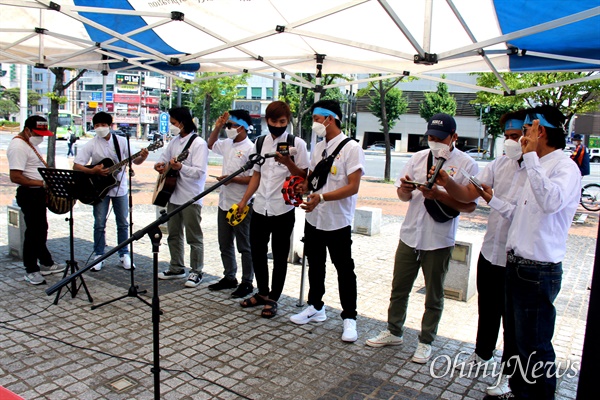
(590, 197)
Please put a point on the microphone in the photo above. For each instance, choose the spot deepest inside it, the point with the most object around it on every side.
(443, 155)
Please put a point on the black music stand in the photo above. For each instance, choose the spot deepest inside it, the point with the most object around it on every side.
(66, 184)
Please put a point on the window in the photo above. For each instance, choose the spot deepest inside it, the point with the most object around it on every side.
(269, 93)
(39, 108)
(38, 77)
(39, 91)
(242, 92)
(256, 93)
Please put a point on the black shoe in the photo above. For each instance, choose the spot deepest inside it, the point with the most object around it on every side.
(224, 283)
(243, 290)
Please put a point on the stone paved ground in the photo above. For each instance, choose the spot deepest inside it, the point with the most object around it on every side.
(211, 348)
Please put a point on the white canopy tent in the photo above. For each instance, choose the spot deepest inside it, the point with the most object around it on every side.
(393, 37)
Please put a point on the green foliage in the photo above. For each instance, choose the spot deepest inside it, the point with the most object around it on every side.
(10, 101)
(54, 97)
(214, 95)
(440, 101)
(570, 99)
(490, 117)
(10, 124)
(395, 105)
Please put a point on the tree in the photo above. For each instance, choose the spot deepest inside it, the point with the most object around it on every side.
(490, 117)
(57, 97)
(440, 101)
(300, 99)
(387, 104)
(210, 98)
(570, 99)
(11, 100)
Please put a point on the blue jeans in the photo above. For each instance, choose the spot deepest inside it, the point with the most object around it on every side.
(530, 317)
(121, 212)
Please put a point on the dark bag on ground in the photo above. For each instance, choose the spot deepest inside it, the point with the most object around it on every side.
(318, 178)
(437, 210)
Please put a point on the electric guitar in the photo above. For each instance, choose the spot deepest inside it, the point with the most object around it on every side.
(166, 182)
(102, 184)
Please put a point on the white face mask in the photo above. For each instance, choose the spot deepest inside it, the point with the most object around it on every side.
(174, 130)
(36, 140)
(513, 149)
(319, 129)
(231, 133)
(102, 131)
(437, 147)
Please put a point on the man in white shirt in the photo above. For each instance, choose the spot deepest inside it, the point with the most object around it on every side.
(23, 162)
(425, 241)
(330, 210)
(235, 150)
(190, 183)
(106, 145)
(272, 218)
(536, 245)
(506, 175)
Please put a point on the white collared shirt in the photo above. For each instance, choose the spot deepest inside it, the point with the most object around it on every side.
(235, 155)
(22, 158)
(192, 174)
(506, 177)
(269, 200)
(545, 207)
(419, 230)
(336, 214)
(97, 149)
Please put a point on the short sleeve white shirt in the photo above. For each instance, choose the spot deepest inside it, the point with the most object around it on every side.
(192, 175)
(419, 230)
(235, 155)
(336, 214)
(268, 198)
(22, 158)
(97, 150)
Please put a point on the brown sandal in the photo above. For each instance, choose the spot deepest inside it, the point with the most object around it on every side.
(271, 311)
(256, 300)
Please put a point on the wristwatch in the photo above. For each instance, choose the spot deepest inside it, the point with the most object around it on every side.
(321, 198)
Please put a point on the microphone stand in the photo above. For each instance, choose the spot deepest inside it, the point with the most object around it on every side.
(155, 235)
(133, 288)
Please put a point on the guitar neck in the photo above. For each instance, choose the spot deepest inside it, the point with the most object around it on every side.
(124, 162)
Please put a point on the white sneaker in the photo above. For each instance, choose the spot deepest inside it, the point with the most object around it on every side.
(35, 278)
(193, 280)
(98, 266)
(350, 334)
(308, 315)
(422, 354)
(500, 388)
(126, 261)
(474, 363)
(385, 338)
(53, 269)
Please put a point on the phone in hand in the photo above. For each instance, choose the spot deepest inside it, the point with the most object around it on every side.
(472, 179)
(416, 183)
(283, 148)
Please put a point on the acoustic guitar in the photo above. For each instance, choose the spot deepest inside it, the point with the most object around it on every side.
(102, 184)
(166, 182)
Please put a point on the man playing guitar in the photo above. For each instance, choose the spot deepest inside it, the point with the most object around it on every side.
(107, 145)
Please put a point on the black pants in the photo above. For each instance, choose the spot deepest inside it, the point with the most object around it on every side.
(280, 227)
(339, 243)
(33, 205)
(490, 286)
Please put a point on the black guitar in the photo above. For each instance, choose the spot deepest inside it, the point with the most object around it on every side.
(102, 184)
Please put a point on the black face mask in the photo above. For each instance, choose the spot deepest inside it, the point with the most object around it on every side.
(277, 130)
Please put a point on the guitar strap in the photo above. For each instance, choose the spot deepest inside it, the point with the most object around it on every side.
(117, 148)
(189, 143)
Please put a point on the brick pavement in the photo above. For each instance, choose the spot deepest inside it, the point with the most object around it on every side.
(211, 348)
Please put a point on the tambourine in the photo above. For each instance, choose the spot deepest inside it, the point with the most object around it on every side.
(232, 216)
(289, 190)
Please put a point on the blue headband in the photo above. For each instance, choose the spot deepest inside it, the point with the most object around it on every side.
(239, 121)
(324, 112)
(513, 124)
(541, 118)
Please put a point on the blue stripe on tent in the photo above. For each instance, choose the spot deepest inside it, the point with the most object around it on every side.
(124, 24)
(581, 39)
